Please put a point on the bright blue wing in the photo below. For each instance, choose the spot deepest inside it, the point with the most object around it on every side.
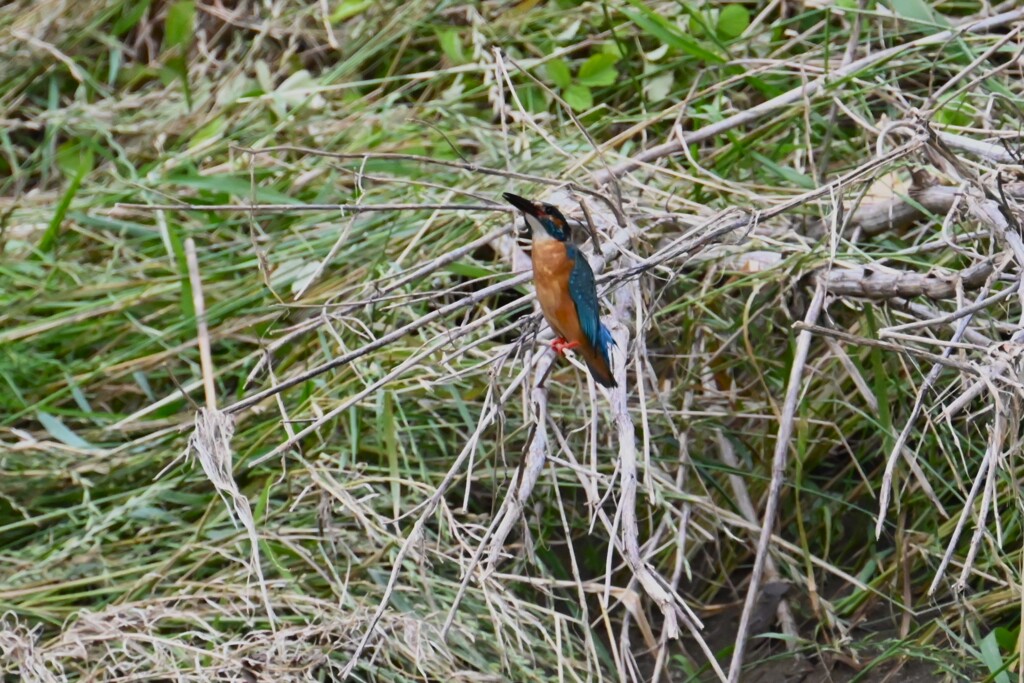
(583, 290)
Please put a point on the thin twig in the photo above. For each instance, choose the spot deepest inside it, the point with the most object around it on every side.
(202, 329)
(381, 342)
(802, 92)
(431, 505)
(287, 208)
(393, 156)
(901, 441)
(746, 508)
(888, 346)
(779, 460)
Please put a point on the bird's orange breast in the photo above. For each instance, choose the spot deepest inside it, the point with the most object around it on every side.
(551, 270)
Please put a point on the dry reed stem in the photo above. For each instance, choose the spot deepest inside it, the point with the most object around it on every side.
(672, 607)
(749, 512)
(211, 439)
(528, 473)
(779, 459)
(1006, 412)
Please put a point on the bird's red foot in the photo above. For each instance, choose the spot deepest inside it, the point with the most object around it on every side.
(561, 346)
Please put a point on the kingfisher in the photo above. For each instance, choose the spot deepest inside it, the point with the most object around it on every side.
(566, 288)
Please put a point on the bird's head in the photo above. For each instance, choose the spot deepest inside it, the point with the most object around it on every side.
(545, 220)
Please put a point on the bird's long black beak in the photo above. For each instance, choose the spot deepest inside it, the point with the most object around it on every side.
(524, 205)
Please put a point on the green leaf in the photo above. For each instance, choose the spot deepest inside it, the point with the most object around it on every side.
(49, 238)
(348, 9)
(954, 113)
(175, 243)
(75, 159)
(235, 186)
(263, 503)
(558, 72)
(918, 11)
(733, 21)
(151, 513)
(612, 48)
(211, 131)
(58, 430)
(658, 27)
(299, 89)
(130, 14)
(1006, 638)
(178, 27)
(386, 431)
(263, 76)
(533, 98)
(579, 97)
(230, 89)
(791, 174)
(993, 658)
(272, 556)
(599, 70)
(469, 270)
(451, 45)
(177, 68)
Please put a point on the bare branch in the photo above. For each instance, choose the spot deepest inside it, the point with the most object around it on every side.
(874, 282)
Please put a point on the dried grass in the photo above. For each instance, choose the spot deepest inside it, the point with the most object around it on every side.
(812, 259)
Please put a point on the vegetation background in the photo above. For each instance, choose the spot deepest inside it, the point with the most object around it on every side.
(805, 220)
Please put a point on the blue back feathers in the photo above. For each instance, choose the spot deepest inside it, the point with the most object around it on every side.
(583, 290)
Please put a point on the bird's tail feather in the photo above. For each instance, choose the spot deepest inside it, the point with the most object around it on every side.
(599, 360)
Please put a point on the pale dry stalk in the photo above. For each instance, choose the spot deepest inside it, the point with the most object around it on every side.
(779, 461)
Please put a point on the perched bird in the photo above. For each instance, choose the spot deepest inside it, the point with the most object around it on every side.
(566, 289)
